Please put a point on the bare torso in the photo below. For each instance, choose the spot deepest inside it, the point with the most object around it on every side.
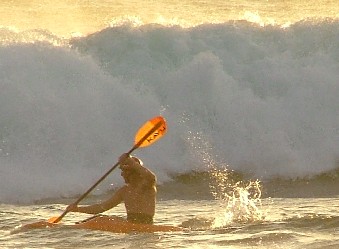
(139, 199)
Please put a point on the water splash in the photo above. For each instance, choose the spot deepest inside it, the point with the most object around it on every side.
(239, 200)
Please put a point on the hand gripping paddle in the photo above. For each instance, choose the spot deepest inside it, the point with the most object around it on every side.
(150, 132)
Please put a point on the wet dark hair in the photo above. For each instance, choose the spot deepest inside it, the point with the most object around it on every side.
(137, 160)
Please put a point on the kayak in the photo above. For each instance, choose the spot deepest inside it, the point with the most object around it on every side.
(109, 224)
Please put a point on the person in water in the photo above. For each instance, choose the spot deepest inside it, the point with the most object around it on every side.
(138, 194)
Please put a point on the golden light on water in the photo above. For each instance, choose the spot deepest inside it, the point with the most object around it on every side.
(69, 18)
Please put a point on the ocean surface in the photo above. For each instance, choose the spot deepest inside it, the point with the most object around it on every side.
(249, 90)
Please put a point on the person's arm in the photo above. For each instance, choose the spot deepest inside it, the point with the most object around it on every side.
(116, 199)
(128, 162)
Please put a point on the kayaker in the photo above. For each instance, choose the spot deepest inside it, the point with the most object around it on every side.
(138, 193)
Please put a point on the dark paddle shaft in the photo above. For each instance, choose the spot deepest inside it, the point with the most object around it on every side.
(108, 172)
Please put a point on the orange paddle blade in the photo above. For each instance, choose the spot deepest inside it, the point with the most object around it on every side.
(158, 124)
(52, 219)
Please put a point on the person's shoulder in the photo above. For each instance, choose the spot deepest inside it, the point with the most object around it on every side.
(122, 190)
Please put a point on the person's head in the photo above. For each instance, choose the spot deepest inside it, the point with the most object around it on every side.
(129, 173)
(137, 160)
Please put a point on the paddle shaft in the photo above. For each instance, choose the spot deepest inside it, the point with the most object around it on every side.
(109, 171)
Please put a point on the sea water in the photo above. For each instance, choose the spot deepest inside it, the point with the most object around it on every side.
(249, 90)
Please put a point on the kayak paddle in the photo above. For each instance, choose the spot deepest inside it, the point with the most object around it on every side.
(150, 132)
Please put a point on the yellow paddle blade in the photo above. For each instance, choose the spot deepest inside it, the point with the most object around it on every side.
(158, 124)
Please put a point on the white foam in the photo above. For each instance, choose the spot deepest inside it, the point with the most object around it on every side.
(261, 99)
